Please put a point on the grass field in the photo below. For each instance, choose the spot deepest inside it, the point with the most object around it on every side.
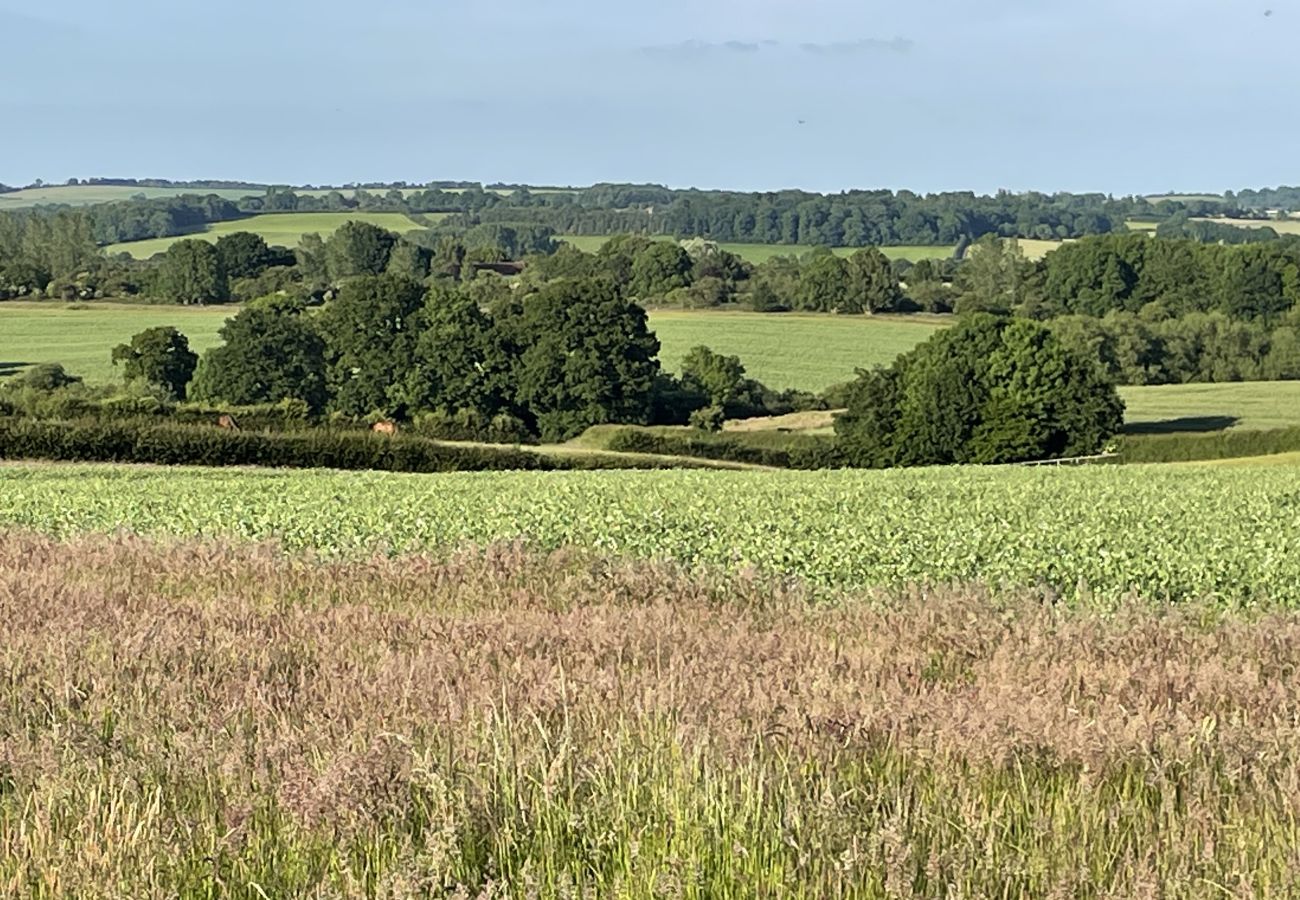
(88, 194)
(205, 720)
(761, 253)
(1213, 407)
(787, 350)
(81, 336)
(285, 229)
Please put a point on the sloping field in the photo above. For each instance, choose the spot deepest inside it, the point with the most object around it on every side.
(785, 350)
(81, 336)
(89, 194)
(1281, 226)
(285, 229)
(1253, 405)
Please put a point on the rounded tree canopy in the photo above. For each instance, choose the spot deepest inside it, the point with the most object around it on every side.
(990, 389)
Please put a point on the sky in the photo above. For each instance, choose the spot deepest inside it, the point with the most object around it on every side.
(1120, 96)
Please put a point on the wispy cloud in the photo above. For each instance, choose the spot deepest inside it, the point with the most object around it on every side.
(859, 47)
(689, 49)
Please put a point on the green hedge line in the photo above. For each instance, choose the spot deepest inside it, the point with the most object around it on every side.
(808, 452)
(189, 445)
(1159, 448)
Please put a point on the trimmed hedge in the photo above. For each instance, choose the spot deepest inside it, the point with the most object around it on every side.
(138, 442)
(1159, 448)
(808, 452)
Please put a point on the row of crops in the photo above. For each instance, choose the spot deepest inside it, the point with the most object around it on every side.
(1232, 534)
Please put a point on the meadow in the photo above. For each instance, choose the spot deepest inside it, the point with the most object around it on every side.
(284, 229)
(1093, 535)
(208, 720)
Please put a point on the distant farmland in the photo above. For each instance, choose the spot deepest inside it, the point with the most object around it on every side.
(285, 229)
(783, 350)
(1281, 226)
(793, 350)
(89, 194)
(761, 253)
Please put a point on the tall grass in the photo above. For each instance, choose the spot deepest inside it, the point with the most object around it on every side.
(199, 720)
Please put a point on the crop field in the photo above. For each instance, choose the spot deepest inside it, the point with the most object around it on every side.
(1281, 226)
(89, 194)
(1095, 532)
(285, 229)
(82, 335)
(786, 350)
(1254, 405)
(761, 253)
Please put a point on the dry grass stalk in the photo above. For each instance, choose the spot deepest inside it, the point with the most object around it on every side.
(206, 720)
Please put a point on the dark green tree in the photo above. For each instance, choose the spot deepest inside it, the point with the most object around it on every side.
(358, 248)
(191, 273)
(462, 360)
(988, 390)
(588, 358)
(721, 378)
(244, 255)
(824, 285)
(658, 269)
(370, 331)
(160, 357)
(271, 352)
(872, 284)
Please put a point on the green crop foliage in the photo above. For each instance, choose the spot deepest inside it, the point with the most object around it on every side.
(1094, 534)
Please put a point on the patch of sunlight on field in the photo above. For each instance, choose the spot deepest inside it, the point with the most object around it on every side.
(285, 229)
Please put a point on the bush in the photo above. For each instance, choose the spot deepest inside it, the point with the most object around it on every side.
(472, 425)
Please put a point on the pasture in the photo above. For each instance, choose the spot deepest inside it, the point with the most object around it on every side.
(1247, 405)
(793, 350)
(284, 229)
(90, 194)
(782, 350)
(82, 335)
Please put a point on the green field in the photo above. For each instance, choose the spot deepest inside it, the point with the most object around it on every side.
(89, 194)
(761, 253)
(1254, 405)
(1113, 528)
(285, 229)
(785, 350)
(1281, 226)
(81, 336)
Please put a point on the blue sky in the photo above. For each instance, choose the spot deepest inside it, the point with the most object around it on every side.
(1112, 95)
